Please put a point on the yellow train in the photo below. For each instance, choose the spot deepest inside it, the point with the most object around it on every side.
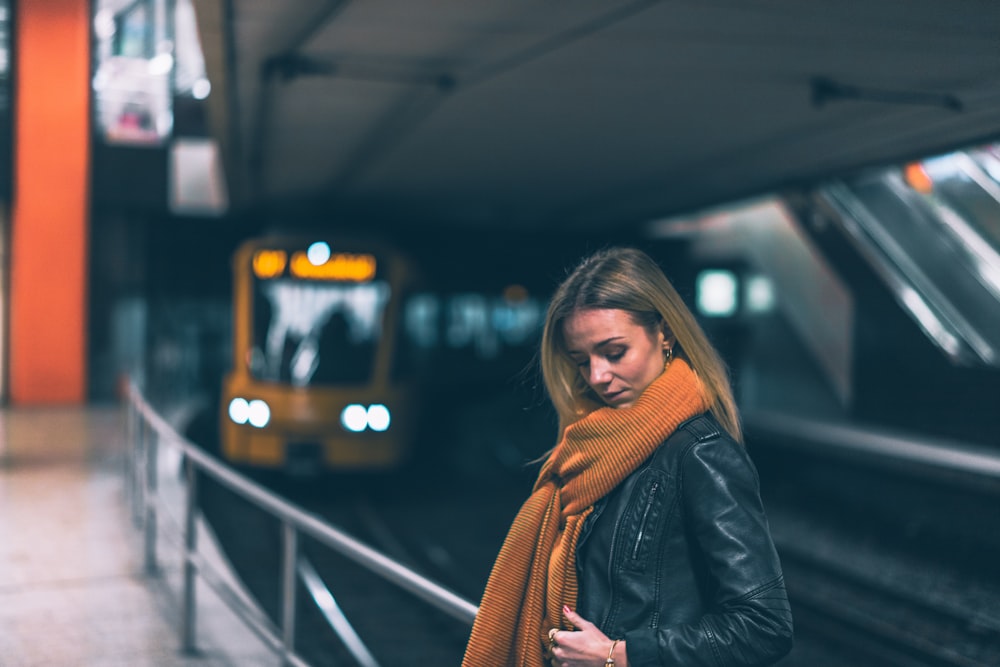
(316, 382)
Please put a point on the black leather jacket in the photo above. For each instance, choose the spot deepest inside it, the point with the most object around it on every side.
(678, 560)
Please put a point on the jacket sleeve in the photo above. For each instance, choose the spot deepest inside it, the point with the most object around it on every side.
(750, 621)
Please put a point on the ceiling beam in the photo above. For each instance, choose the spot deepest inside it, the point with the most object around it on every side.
(266, 90)
(215, 32)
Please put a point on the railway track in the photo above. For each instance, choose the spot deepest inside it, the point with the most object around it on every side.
(448, 535)
(894, 567)
(881, 626)
(845, 613)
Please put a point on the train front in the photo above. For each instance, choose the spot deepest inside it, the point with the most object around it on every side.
(314, 384)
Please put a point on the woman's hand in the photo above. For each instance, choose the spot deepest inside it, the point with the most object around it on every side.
(586, 646)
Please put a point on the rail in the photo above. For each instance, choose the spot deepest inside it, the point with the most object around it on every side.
(975, 464)
(146, 503)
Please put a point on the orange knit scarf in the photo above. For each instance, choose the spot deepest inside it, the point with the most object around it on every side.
(535, 572)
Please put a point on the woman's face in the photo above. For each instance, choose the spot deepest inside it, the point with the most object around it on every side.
(616, 356)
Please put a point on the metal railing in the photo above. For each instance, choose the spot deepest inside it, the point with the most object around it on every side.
(973, 465)
(913, 250)
(143, 423)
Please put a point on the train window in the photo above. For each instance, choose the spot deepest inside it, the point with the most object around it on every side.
(469, 325)
(309, 332)
(467, 334)
(480, 324)
(421, 315)
(518, 321)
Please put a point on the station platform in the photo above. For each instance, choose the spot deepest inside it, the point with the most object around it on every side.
(73, 591)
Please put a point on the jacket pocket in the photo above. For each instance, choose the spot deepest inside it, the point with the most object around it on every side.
(644, 522)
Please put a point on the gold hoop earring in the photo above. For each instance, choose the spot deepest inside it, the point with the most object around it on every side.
(669, 354)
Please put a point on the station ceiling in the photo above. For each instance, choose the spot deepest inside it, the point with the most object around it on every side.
(587, 114)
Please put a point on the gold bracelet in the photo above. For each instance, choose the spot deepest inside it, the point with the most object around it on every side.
(610, 662)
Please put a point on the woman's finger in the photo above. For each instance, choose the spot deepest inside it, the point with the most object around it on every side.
(579, 621)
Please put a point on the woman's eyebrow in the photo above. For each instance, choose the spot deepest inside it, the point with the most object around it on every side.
(609, 340)
(598, 344)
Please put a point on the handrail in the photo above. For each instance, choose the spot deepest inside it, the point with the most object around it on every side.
(921, 288)
(973, 461)
(947, 329)
(141, 486)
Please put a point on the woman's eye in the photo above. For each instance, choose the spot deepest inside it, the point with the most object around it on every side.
(615, 356)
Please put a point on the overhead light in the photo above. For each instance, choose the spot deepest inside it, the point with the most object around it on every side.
(201, 88)
(161, 64)
(715, 293)
(917, 178)
(318, 253)
(104, 24)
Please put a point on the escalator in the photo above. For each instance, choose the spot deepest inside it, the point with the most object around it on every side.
(886, 296)
(932, 233)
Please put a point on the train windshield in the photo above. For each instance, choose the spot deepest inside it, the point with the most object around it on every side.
(316, 332)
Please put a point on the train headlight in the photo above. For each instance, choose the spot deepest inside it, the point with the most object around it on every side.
(259, 413)
(378, 417)
(354, 418)
(239, 410)
(256, 412)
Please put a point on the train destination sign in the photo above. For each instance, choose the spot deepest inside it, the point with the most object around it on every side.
(342, 267)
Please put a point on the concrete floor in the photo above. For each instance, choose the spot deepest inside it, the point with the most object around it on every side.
(72, 584)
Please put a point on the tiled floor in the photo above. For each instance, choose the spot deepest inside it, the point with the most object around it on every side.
(72, 588)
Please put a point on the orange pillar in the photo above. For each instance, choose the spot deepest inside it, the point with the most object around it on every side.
(50, 207)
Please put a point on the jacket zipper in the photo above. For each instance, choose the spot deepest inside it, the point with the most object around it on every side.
(611, 572)
(645, 516)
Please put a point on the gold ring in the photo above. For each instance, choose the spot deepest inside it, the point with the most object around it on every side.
(552, 635)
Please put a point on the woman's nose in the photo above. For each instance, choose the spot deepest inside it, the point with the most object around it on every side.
(599, 372)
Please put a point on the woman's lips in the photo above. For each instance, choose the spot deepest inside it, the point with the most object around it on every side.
(610, 397)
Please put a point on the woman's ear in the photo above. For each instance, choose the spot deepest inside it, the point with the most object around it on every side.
(669, 339)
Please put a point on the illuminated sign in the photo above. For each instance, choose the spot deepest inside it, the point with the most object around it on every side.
(341, 266)
(269, 263)
(345, 267)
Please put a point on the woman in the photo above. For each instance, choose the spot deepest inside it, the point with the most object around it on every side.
(644, 541)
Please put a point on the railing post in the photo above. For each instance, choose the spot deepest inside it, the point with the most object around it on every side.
(190, 549)
(151, 506)
(138, 467)
(290, 556)
(129, 449)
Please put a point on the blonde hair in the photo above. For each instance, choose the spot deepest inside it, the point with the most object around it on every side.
(628, 279)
